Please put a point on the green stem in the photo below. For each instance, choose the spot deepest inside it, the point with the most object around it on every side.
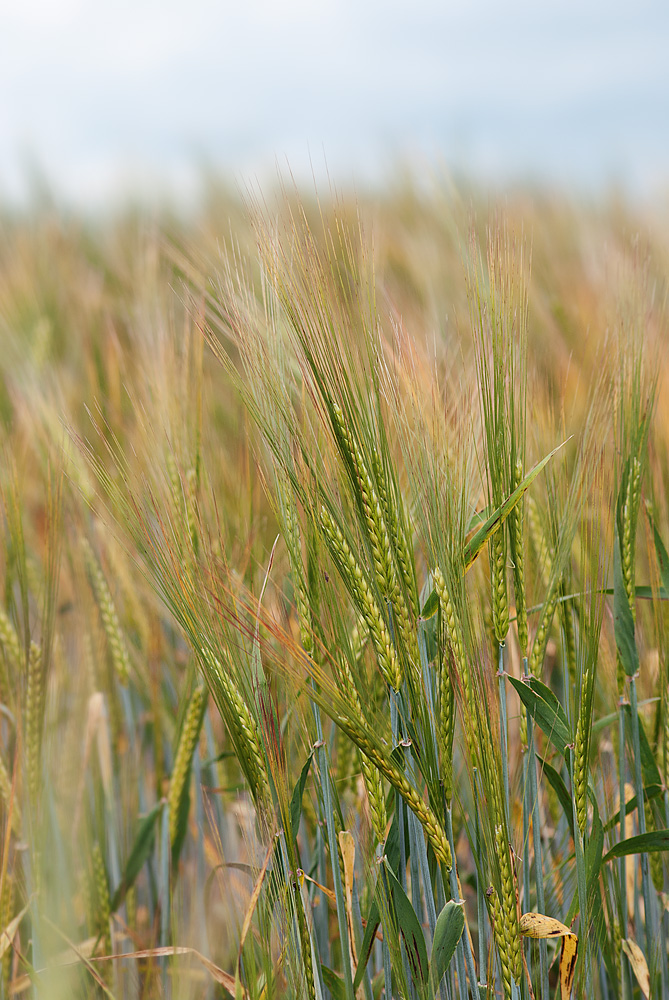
(464, 944)
(538, 850)
(645, 874)
(334, 853)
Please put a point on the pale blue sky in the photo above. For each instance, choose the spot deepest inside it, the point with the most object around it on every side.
(103, 94)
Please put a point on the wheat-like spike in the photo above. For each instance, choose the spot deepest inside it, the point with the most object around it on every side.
(370, 774)
(102, 898)
(364, 599)
(516, 524)
(497, 921)
(11, 647)
(456, 644)
(294, 545)
(581, 758)
(500, 601)
(6, 793)
(108, 614)
(543, 629)
(446, 727)
(538, 539)
(184, 757)
(247, 730)
(377, 531)
(34, 719)
(509, 906)
(431, 825)
(629, 519)
(401, 544)
(7, 907)
(6, 913)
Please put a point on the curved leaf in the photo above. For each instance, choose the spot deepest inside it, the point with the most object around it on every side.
(545, 709)
(447, 933)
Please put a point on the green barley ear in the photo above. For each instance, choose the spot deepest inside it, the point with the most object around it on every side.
(539, 542)
(581, 746)
(500, 602)
(498, 310)
(628, 523)
(108, 614)
(517, 536)
(240, 722)
(357, 731)
(509, 905)
(377, 531)
(394, 514)
(35, 701)
(9, 797)
(178, 792)
(360, 591)
(10, 656)
(455, 644)
(102, 907)
(370, 773)
(7, 903)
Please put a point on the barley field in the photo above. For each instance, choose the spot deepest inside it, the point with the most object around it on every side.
(334, 557)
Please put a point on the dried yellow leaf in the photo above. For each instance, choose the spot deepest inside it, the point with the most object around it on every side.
(568, 964)
(536, 925)
(639, 965)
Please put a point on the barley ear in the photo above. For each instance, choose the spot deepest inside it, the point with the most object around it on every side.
(108, 614)
(102, 898)
(361, 593)
(34, 721)
(177, 794)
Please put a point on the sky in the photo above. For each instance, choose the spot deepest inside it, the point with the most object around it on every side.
(135, 95)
